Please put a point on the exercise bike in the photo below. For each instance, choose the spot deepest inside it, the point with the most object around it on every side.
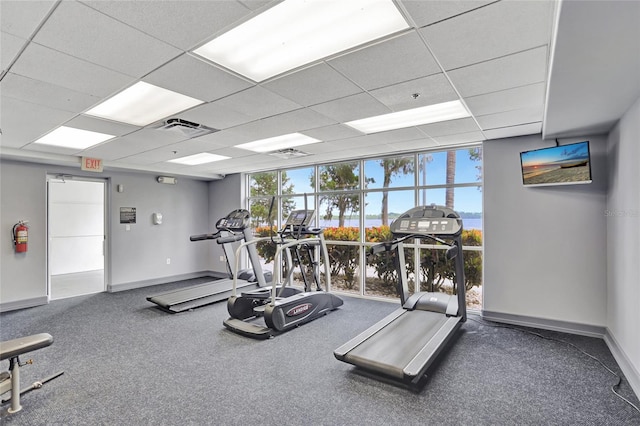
(284, 306)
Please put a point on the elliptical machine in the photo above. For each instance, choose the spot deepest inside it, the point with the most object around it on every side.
(285, 307)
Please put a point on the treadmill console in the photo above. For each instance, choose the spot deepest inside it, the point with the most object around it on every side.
(236, 221)
(300, 218)
(430, 220)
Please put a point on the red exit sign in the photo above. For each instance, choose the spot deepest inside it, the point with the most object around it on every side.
(91, 164)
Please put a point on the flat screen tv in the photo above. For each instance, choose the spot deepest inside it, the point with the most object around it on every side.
(557, 165)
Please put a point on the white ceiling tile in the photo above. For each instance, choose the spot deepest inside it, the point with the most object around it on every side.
(431, 90)
(195, 78)
(52, 149)
(54, 67)
(216, 116)
(282, 124)
(149, 157)
(95, 124)
(229, 138)
(46, 94)
(180, 23)
(333, 132)
(427, 12)
(23, 122)
(352, 107)
(511, 71)
(257, 102)
(390, 62)
(521, 130)
(193, 146)
(461, 138)
(313, 85)
(134, 143)
(506, 100)
(102, 40)
(21, 17)
(318, 148)
(355, 153)
(499, 29)
(511, 118)
(11, 45)
(415, 145)
(366, 144)
(391, 136)
(451, 127)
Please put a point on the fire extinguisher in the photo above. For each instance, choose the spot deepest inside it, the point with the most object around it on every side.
(20, 236)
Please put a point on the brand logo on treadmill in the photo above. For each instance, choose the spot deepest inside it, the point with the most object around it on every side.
(298, 310)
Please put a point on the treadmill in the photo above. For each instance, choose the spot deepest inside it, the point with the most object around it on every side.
(401, 347)
(232, 228)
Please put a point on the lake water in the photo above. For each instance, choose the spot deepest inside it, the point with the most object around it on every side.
(472, 223)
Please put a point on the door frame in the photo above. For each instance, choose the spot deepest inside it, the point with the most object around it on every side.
(106, 184)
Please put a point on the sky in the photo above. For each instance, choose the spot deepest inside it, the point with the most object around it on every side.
(554, 154)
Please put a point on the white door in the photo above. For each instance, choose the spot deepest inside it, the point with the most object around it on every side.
(76, 227)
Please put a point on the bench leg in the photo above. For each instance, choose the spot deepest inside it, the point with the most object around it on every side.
(14, 369)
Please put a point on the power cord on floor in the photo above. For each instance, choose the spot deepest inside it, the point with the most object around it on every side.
(614, 388)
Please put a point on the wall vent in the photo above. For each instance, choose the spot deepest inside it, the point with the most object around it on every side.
(288, 153)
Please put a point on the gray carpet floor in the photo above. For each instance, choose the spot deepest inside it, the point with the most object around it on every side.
(127, 362)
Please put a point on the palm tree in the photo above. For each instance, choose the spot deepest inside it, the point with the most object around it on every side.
(451, 177)
(392, 167)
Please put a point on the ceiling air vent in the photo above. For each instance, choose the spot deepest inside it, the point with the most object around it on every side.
(186, 128)
(288, 153)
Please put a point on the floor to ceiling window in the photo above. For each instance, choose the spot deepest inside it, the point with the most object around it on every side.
(356, 201)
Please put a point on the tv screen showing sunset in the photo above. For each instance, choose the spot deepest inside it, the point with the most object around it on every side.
(565, 164)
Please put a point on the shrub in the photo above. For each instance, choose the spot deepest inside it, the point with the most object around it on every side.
(343, 258)
(433, 264)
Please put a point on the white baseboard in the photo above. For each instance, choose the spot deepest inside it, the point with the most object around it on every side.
(113, 288)
(546, 324)
(22, 304)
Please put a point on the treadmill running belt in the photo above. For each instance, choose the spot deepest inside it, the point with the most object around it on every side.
(391, 349)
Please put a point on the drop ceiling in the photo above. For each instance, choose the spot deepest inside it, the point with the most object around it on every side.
(519, 67)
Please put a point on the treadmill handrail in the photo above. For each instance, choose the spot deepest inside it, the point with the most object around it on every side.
(391, 244)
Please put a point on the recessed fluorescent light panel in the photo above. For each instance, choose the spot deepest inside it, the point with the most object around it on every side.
(297, 32)
(411, 117)
(142, 104)
(195, 159)
(278, 142)
(70, 137)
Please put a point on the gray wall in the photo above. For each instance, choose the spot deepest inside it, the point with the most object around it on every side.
(136, 257)
(141, 253)
(225, 196)
(623, 236)
(544, 248)
(23, 276)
